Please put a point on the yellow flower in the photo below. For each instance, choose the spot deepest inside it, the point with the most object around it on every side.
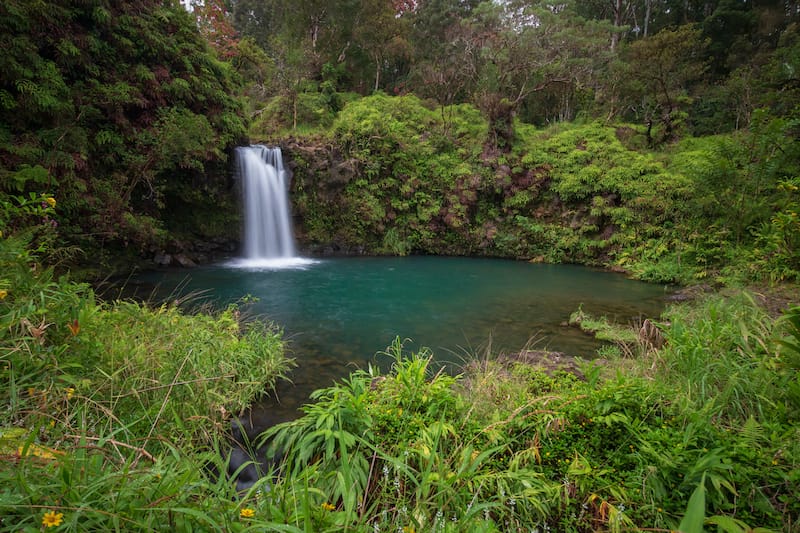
(70, 392)
(409, 529)
(52, 519)
(3, 294)
(328, 507)
(50, 201)
(246, 512)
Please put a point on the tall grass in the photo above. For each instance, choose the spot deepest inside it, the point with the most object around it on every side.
(510, 447)
(721, 354)
(117, 413)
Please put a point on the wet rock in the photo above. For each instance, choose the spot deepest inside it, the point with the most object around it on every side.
(162, 259)
(689, 293)
(184, 261)
(249, 458)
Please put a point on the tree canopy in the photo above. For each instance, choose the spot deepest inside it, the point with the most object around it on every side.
(119, 109)
(540, 61)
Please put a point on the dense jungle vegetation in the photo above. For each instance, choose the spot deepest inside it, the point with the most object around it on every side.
(655, 137)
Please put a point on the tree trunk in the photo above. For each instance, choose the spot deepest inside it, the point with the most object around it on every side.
(377, 73)
(618, 17)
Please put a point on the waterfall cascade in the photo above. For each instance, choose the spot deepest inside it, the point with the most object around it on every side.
(268, 237)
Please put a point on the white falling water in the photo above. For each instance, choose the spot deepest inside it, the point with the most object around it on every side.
(268, 238)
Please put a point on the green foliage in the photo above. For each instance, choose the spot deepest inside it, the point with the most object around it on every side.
(116, 413)
(101, 485)
(383, 452)
(722, 352)
(112, 109)
(510, 446)
(407, 182)
(135, 370)
(700, 431)
(604, 330)
(410, 180)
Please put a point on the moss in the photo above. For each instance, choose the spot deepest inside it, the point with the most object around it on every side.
(603, 329)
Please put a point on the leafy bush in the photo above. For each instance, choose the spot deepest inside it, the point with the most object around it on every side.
(113, 109)
(507, 446)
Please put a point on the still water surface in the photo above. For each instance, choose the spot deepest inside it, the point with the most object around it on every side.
(339, 314)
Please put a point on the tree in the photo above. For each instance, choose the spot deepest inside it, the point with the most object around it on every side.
(658, 71)
(214, 22)
(120, 109)
(728, 29)
(261, 20)
(522, 48)
(380, 33)
(433, 21)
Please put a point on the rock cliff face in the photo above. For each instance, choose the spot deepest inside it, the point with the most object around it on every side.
(194, 252)
(320, 175)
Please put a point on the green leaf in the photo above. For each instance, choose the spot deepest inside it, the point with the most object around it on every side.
(696, 510)
(728, 524)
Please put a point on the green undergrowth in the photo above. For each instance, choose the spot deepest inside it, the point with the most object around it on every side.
(412, 177)
(631, 445)
(116, 415)
(624, 336)
(116, 412)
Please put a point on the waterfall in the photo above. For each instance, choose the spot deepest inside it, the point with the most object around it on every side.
(268, 238)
